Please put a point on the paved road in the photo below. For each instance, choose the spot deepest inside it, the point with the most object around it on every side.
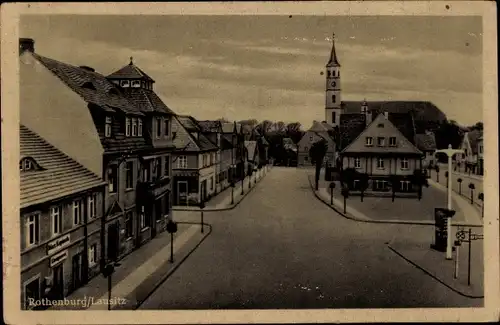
(282, 248)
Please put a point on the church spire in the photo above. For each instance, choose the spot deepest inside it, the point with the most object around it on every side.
(334, 62)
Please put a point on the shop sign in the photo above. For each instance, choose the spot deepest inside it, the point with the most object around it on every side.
(58, 244)
(58, 258)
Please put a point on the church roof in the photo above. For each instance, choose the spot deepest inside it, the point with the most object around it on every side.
(130, 71)
(422, 110)
(333, 62)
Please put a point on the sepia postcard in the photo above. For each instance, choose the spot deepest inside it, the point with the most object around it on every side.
(250, 162)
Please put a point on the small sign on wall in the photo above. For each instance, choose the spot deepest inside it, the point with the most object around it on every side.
(58, 244)
(58, 258)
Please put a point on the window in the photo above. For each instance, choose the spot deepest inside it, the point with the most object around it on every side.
(306, 158)
(129, 174)
(380, 125)
(182, 162)
(92, 255)
(480, 149)
(380, 141)
(334, 117)
(334, 98)
(77, 212)
(125, 83)
(92, 206)
(328, 73)
(158, 127)
(113, 179)
(166, 205)
(136, 84)
(306, 149)
(211, 183)
(157, 168)
(139, 132)
(143, 84)
(128, 225)
(134, 127)
(166, 167)
(107, 128)
(127, 126)
(392, 141)
(380, 163)
(27, 164)
(404, 163)
(144, 220)
(369, 141)
(158, 212)
(311, 138)
(357, 162)
(31, 293)
(32, 229)
(405, 186)
(88, 85)
(166, 127)
(380, 184)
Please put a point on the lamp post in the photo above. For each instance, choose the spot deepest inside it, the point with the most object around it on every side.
(232, 184)
(255, 176)
(202, 206)
(450, 152)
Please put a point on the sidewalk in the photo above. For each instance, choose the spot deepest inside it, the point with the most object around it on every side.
(323, 194)
(460, 173)
(222, 201)
(472, 214)
(138, 274)
(435, 264)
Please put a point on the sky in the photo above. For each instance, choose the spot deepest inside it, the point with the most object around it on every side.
(270, 67)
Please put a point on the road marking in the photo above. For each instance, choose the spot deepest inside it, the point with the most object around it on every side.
(123, 288)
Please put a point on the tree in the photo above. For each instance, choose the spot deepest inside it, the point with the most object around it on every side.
(281, 127)
(317, 154)
(472, 188)
(363, 184)
(481, 198)
(347, 176)
(222, 119)
(420, 181)
(332, 187)
(459, 180)
(293, 127)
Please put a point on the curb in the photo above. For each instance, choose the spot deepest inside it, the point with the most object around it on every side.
(231, 206)
(433, 276)
(171, 271)
(405, 222)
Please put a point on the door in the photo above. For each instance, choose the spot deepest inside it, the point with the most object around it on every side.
(203, 191)
(182, 191)
(158, 215)
(58, 285)
(113, 238)
(76, 271)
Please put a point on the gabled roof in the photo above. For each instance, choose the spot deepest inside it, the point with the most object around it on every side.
(350, 127)
(130, 71)
(426, 141)
(59, 175)
(473, 137)
(189, 137)
(421, 110)
(104, 94)
(251, 147)
(225, 142)
(318, 127)
(147, 100)
(381, 127)
(210, 126)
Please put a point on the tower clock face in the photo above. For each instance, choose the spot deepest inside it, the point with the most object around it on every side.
(333, 84)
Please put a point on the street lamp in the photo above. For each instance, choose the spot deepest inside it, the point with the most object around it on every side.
(255, 176)
(232, 184)
(202, 206)
(450, 152)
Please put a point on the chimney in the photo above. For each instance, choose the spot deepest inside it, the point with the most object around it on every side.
(26, 44)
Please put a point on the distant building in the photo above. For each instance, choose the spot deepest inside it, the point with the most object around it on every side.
(426, 142)
(62, 209)
(194, 163)
(317, 132)
(480, 155)
(469, 160)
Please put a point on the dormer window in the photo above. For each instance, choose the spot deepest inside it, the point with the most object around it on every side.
(27, 164)
(127, 127)
(381, 141)
(136, 83)
(392, 141)
(134, 127)
(114, 91)
(116, 82)
(139, 130)
(369, 141)
(125, 83)
(88, 85)
(107, 128)
(380, 125)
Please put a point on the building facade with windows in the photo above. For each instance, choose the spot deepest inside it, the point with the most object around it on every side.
(61, 212)
(233, 132)
(383, 152)
(469, 161)
(194, 163)
(480, 155)
(118, 128)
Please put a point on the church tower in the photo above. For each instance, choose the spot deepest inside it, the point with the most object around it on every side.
(333, 107)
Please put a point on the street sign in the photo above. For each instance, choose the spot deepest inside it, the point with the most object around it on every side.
(476, 236)
(171, 227)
